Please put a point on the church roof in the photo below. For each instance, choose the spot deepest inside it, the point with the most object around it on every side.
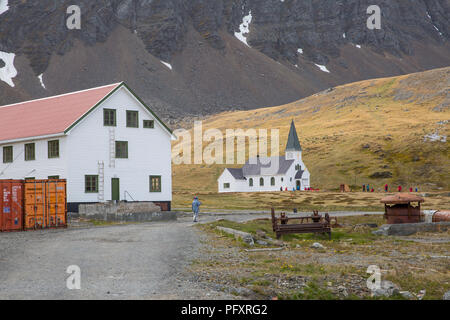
(237, 173)
(293, 144)
(299, 174)
(254, 166)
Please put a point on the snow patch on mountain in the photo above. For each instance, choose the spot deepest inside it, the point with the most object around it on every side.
(8, 72)
(244, 28)
(3, 6)
(322, 68)
(41, 80)
(168, 65)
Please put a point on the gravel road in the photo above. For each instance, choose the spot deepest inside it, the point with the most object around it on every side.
(138, 261)
(135, 261)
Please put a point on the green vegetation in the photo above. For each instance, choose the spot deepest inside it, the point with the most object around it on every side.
(302, 272)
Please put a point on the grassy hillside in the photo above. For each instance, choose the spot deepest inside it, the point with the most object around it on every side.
(372, 131)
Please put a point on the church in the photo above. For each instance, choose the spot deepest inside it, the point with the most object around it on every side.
(269, 174)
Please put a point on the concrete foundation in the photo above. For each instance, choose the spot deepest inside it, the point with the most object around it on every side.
(406, 229)
(124, 211)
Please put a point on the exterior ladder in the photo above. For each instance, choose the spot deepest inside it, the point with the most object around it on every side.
(112, 148)
(101, 181)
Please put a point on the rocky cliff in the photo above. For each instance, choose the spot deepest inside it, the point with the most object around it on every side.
(204, 56)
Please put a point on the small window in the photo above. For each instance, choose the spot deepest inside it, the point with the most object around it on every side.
(132, 119)
(53, 149)
(30, 178)
(261, 182)
(149, 124)
(30, 152)
(91, 184)
(226, 186)
(122, 149)
(7, 154)
(155, 183)
(53, 177)
(250, 182)
(282, 179)
(109, 117)
(272, 181)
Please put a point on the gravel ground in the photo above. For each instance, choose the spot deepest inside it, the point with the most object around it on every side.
(138, 261)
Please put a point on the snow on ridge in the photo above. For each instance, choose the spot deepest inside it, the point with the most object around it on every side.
(168, 65)
(344, 35)
(3, 6)
(41, 80)
(8, 72)
(244, 28)
(300, 50)
(322, 68)
(437, 29)
(358, 46)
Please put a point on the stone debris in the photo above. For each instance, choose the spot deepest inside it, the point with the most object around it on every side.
(407, 294)
(317, 245)
(246, 237)
(406, 229)
(421, 294)
(387, 289)
(446, 296)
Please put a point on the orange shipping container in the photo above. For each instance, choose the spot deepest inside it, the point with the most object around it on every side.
(11, 205)
(45, 204)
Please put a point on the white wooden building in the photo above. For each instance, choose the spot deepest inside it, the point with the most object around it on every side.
(105, 141)
(269, 174)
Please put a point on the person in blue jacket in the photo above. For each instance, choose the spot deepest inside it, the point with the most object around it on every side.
(196, 208)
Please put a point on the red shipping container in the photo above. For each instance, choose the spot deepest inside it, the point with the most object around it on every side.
(11, 205)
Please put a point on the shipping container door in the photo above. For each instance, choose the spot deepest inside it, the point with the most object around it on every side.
(56, 202)
(35, 205)
(11, 206)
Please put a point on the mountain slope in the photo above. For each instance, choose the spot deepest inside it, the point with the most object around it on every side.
(206, 67)
(390, 130)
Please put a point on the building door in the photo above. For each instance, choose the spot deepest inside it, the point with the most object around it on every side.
(298, 185)
(115, 189)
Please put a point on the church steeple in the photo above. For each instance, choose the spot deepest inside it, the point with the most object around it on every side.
(293, 144)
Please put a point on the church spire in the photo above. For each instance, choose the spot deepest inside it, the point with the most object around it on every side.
(293, 144)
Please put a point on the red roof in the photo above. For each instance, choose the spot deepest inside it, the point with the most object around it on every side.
(48, 116)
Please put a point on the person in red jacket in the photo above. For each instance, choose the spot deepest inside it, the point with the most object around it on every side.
(399, 188)
(386, 187)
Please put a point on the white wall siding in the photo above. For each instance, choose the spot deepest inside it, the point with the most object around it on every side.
(40, 168)
(149, 153)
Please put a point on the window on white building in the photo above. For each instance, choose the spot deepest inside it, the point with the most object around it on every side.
(7, 154)
(261, 182)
